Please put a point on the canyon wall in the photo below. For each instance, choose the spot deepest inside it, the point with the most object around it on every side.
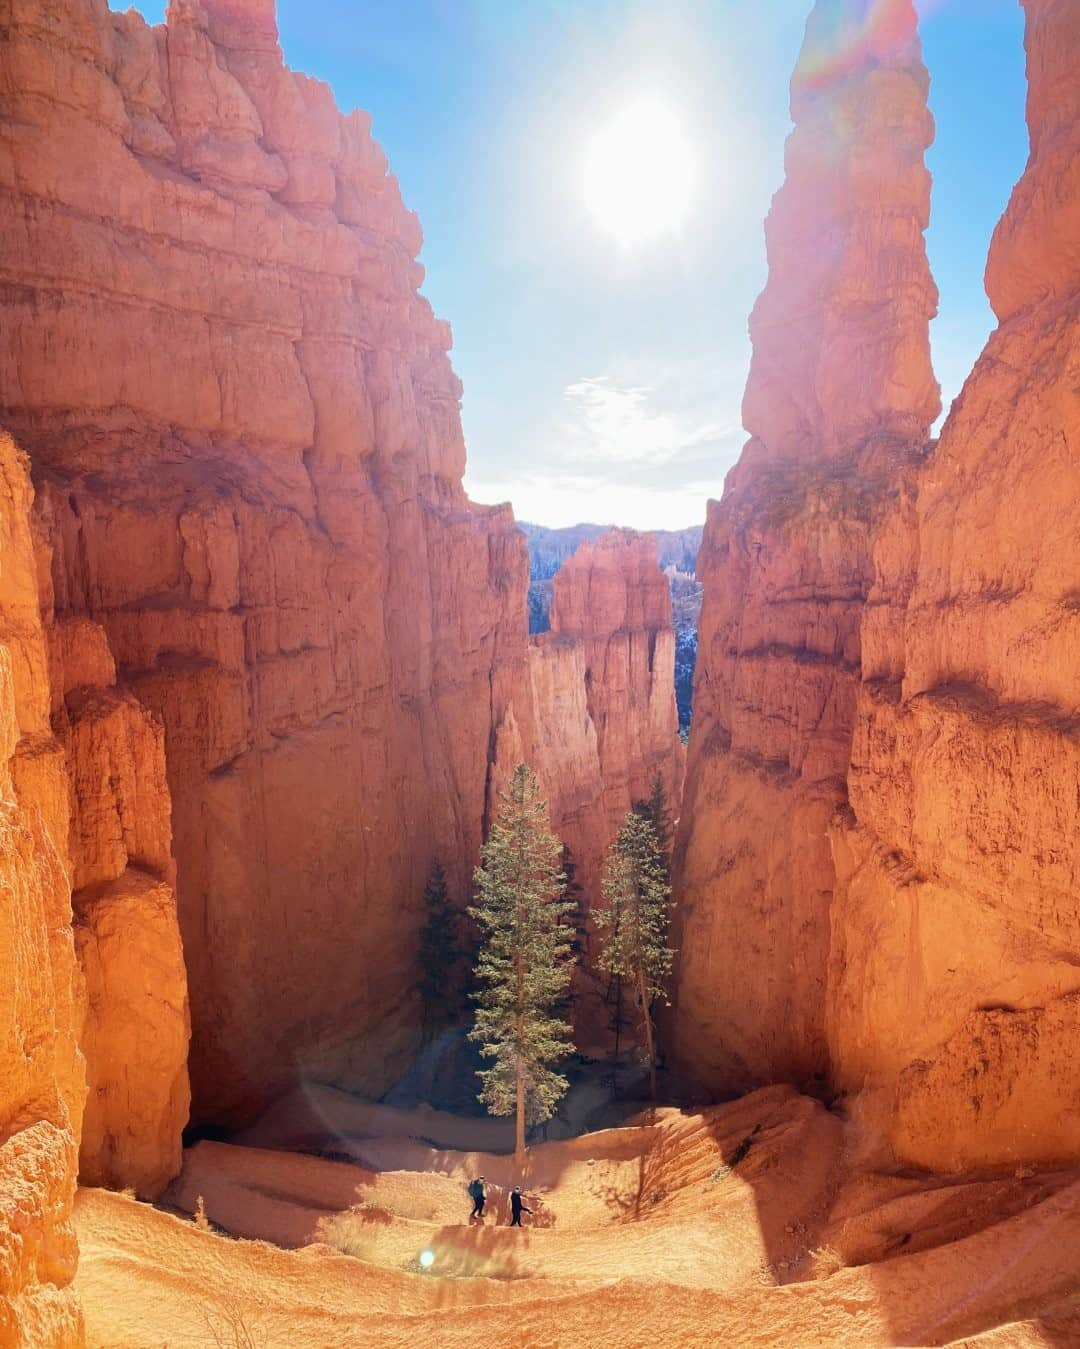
(246, 443)
(839, 404)
(42, 1082)
(284, 649)
(956, 1002)
(879, 856)
(597, 717)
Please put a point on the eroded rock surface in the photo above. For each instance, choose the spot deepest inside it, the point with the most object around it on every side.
(840, 399)
(244, 429)
(135, 1033)
(957, 970)
(42, 1084)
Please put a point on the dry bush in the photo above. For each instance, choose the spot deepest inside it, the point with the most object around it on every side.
(231, 1324)
(825, 1261)
(201, 1221)
(352, 1232)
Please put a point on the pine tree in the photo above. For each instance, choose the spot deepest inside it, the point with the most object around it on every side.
(439, 953)
(656, 810)
(633, 921)
(574, 918)
(525, 963)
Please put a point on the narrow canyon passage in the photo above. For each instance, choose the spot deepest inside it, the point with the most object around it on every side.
(267, 672)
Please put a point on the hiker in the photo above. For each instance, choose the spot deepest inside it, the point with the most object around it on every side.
(478, 1195)
(517, 1207)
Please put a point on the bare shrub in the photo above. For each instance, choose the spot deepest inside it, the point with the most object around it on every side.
(231, 1324)
(825, 1261)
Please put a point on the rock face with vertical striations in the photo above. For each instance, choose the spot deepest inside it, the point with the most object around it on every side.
(840, 401)
(42, 1084)
(245, 437)
(612, 599)
(957, 990)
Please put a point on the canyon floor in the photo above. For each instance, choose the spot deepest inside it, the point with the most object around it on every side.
(751, 1223)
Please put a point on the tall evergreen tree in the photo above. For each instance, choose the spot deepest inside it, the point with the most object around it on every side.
(615, 1002)
(656, 810)
(525, 962)
(633, 921)
(439, 953)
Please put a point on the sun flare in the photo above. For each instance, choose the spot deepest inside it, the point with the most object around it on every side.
(639, 173)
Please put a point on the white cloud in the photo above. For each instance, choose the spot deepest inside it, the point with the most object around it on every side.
(557, 500)
(647, 454)
(608, 423)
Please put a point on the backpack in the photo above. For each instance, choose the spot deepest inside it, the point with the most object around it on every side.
(476, 1190)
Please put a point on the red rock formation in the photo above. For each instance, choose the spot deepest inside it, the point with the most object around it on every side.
(840, 396)
(42, 1084)
(612, 598)
(957, 997)
(135, 1025)
(244, 428)
(597, 719)
(135, 1033)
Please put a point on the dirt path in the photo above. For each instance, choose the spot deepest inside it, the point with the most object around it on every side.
(737, 1226)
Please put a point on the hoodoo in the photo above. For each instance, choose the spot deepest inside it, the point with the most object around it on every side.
(957, 997)
(840, 399)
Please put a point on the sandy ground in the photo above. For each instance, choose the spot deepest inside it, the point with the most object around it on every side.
(741, 1225)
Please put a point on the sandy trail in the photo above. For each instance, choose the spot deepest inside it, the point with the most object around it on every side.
(671, 1229)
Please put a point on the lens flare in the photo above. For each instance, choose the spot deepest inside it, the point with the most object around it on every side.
(846, 35)
(427, 1259)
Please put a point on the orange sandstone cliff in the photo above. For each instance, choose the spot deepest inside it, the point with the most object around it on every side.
(879, 853)
(956, 998)
(42, 1081)
(245, 438)
(283, 648)
(840, 398)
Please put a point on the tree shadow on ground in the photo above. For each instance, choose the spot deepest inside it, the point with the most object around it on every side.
(633, 1201)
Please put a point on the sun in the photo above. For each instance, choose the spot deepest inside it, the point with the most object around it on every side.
(639, 173)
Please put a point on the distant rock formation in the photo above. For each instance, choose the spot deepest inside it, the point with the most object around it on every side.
(677, 553)
(550, 548)
(841, 397)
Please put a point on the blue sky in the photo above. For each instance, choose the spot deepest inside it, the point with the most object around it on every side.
(605, 382)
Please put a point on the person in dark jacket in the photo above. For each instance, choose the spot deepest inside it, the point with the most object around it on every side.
(517, 1208)
(478, 1194)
